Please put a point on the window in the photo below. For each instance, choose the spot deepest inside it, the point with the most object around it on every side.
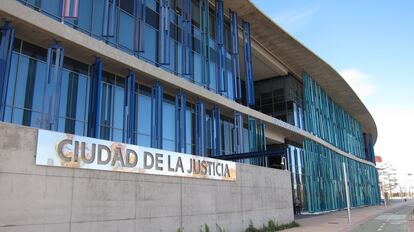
(168, 125)
(144, 118)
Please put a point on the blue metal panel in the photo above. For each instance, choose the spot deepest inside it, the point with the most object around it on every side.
(51, 97)
(180, 122)
(70, 9)
(324, 181)
(108, 29)
(6, 47)
(205, 48)
(139, 17)
(129, 109)
(221, 48)
(248, 64)
(235, 54)
(252, 134)
(200, 128)
(216, 131)
(327, 120)
(238, 133)
(187, 39)
(156, 116)
(261, 134)
(164, 33)
(94, 99)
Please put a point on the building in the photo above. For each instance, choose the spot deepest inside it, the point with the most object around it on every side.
(209, 78)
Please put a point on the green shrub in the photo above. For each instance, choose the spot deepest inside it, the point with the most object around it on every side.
(271, 227)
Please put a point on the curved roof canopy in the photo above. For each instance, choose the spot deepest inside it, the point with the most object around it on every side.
(298, 59)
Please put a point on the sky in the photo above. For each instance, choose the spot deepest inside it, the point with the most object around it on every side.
(371, 44)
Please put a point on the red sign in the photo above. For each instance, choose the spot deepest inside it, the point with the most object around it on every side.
(378, 159)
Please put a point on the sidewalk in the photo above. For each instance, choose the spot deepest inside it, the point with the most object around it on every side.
(338, 221)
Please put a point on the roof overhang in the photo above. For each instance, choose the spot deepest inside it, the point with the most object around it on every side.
(297, 58)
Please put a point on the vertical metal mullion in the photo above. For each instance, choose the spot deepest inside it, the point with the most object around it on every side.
(216, 131)
(200, 129)
(252, 134)
(235, 54)
(129, 109)
(156, 116)
(95, 92)
(180, 122)
(164, 32)
(186, 36)
(204, 25)
(139, 17)
(221, 49)
(108, 29)
(238, 132)
(248, 64)
(6, 48)
(52, 91)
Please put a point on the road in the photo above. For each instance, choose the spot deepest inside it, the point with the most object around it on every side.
(395, 220)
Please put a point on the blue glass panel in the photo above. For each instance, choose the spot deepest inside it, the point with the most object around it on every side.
(152, 4)
(12, 79)
(213, 80)
(168, 122)
(150, 37)
(8, 114)
(106, 110)
(126, 32)
(6, 47)
(144, 120)
(39, 86)
(64, 95)
(84, 20)
(189, 131)
(82, 96)
(17, 116)
(246, 139)
(227, 137)
(197, 69)
(21, 81)
(97, 18)
(118, 108)
(52, 7)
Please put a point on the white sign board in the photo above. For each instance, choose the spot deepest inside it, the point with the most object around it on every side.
(73, 151)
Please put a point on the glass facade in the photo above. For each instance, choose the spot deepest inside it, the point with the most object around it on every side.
(187, 45)
(282, 98)
(323, 187)
(316, 171)
(327, 120)
(28, 72)
(323, 173)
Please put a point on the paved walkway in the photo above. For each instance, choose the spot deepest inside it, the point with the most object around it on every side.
(394, 220)
(338, 221)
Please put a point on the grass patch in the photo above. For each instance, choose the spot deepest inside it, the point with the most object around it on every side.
(271, 227)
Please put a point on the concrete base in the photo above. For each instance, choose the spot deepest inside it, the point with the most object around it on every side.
(37, 198)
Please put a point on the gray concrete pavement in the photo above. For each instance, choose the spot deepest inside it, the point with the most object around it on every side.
(361, 219)
(395, 220)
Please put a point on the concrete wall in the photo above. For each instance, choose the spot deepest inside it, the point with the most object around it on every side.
(36, 198)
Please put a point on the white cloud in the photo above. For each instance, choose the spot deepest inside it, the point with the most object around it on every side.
(295, 17)
(359, 81)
